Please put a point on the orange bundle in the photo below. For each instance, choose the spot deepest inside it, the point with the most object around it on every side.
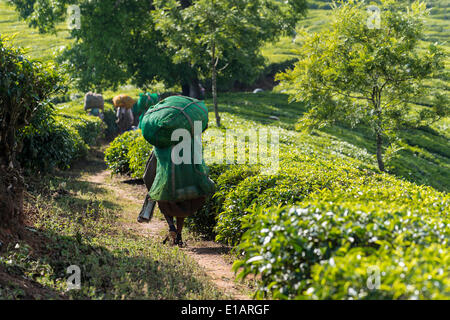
(123, 101)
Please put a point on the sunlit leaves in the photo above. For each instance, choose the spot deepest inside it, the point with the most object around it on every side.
(355, 74)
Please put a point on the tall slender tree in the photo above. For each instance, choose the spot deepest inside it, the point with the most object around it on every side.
(211, 35)
(359, 72)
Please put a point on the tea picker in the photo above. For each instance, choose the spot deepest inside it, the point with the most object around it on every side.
(94, 104)
(180, 189)
(145, 102)
(125, 118)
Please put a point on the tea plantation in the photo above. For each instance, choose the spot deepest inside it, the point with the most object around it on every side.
(312, 229)
(326, 225)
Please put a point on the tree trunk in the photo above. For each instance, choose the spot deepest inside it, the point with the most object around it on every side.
(214, 84)
(11, 196)
(185, 89)
(11, 181)
(380, 152)
(192, 89)
(376, 97)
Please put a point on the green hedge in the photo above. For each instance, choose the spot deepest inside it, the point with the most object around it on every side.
(56, 140)
(88, 127)
(226, 178)
(415, 272)
(344, 205)
(128, 154)
(291, 248)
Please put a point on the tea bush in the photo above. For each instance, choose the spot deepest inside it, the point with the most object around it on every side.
(226, 178)
(299, 176)
(56, 140)
(116, 156)
(415, 272)
(89, 128)
(283, 245)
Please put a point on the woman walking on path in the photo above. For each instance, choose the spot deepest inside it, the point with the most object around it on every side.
(179, 187)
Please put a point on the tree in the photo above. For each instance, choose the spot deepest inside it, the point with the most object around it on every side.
(25, 89)
(210, 35)
(118, 42)
(361, 74)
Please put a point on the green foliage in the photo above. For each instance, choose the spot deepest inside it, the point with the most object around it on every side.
(44, 46)
(117, 155)
(330, 170)
(88, 127)
(92, 62)
(113, 48)
(55, 141)
(226, 178)
(138, 154)
(100, 55)
(416, 272)
(224, 35)
(282, 245)
(53, 145)
(25, 90)
(356, 74)
(303, 178)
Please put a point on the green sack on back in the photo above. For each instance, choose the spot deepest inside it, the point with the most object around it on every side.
(172, 113)
(145, 101)
(178, 182)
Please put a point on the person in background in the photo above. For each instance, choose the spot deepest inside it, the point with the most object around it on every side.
(94, 104)
(96, 112)
(145, 101)
(125, 119)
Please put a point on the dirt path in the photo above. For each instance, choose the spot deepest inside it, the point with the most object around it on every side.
(208, 254)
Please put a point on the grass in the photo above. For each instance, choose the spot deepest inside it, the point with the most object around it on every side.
(76, 222)
(42, 46)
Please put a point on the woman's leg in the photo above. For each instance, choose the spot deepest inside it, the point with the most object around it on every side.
(170, 222)
(172, 228)
(180, 224)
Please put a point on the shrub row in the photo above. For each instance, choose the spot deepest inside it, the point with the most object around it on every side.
(56, 140)
(294, 250)
(344, 209)
(128, 154)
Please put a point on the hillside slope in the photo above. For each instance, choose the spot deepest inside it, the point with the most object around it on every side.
(346, 206)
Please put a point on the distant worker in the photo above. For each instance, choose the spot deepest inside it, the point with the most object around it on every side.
(94, 103)
(124, 113)
(96, 112)
(145, 101)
